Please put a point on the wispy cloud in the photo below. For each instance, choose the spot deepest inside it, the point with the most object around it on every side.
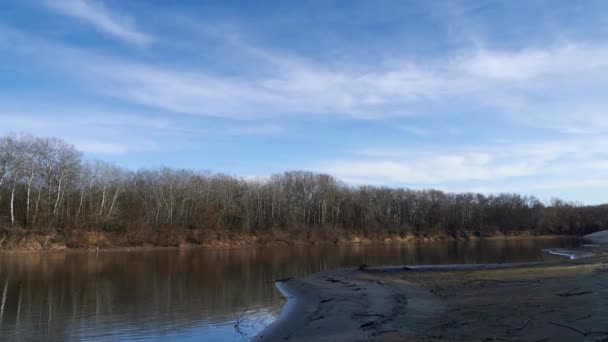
(99, 133)
(415, 130)
(529, 87)
(107, 131)
(255, 129)
(101, 18)
(432, 170)
(100, 147)
(531, 63)
(532, 86)
(569, 161)
(552, 91)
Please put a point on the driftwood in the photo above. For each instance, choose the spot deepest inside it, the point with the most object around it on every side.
(367, 325)
(584, 333)
(369, 315)
(239, 324)
(580, 318)
(283, 280)
(510, 329)
(387, 331)
(374, 324)
(49, 238)
(312, 319)
(569, 294)
(500, 281)
(523, 325)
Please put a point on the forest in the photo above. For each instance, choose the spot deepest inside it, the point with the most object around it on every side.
(48, 189)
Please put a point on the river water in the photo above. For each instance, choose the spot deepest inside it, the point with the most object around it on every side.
(195, 294)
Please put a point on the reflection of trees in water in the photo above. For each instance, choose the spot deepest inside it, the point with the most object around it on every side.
(50, 295)
(59, 294)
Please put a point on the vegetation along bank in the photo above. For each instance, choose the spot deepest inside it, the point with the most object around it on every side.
(50, 197)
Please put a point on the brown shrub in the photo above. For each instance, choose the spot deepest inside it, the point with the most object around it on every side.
(137, 234)
(80, 238)
(171, 235)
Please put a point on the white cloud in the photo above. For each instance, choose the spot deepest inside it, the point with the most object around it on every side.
(513, 166)
(530, 87)
(565, 58)
(102, 19)
(430, 170)
(255, 129)
(557, 87)
(93, 132)
(415, 130)
(100, 147)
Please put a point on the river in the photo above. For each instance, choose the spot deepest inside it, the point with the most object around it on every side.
(196, 294)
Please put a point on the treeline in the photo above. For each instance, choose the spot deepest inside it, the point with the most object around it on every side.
(45, 184)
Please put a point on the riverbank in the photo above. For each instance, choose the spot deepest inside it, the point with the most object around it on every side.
(562, 301)
(17, 239)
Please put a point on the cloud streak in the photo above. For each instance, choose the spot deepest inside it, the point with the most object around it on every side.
(505, 166)
(100, 18)
(530, 86)
(529, 115)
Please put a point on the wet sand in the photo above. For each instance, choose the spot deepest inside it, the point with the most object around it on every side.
(597, 238)
(565, 301)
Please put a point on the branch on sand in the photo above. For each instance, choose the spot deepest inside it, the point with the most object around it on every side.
(369, 315)
(524, 324)
(500, 281)
(569, 294)
(580, 318)
(584, 333)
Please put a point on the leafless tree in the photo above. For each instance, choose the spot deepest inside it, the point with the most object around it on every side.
(48, 185)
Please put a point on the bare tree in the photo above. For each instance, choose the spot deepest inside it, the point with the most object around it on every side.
(49, 186)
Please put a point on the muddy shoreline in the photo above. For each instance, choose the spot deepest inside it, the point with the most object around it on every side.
(558, 301)
(509, 303)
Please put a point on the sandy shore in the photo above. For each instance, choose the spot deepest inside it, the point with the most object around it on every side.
(565, 301)
(597, 238)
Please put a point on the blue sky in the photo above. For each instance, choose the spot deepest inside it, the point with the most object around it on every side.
(492, 96)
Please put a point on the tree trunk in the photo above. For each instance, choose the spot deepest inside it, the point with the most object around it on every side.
(58, 195)
(29, 191)
(36, 208)
(4, 296)
(13, 199)
(80, 203)
(113, 202)
(1, 181)
(103, 200)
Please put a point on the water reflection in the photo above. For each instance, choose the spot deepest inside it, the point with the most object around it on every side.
(194, 294)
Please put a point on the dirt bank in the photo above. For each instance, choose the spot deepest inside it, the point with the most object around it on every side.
(16, 239)
(534, 302)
